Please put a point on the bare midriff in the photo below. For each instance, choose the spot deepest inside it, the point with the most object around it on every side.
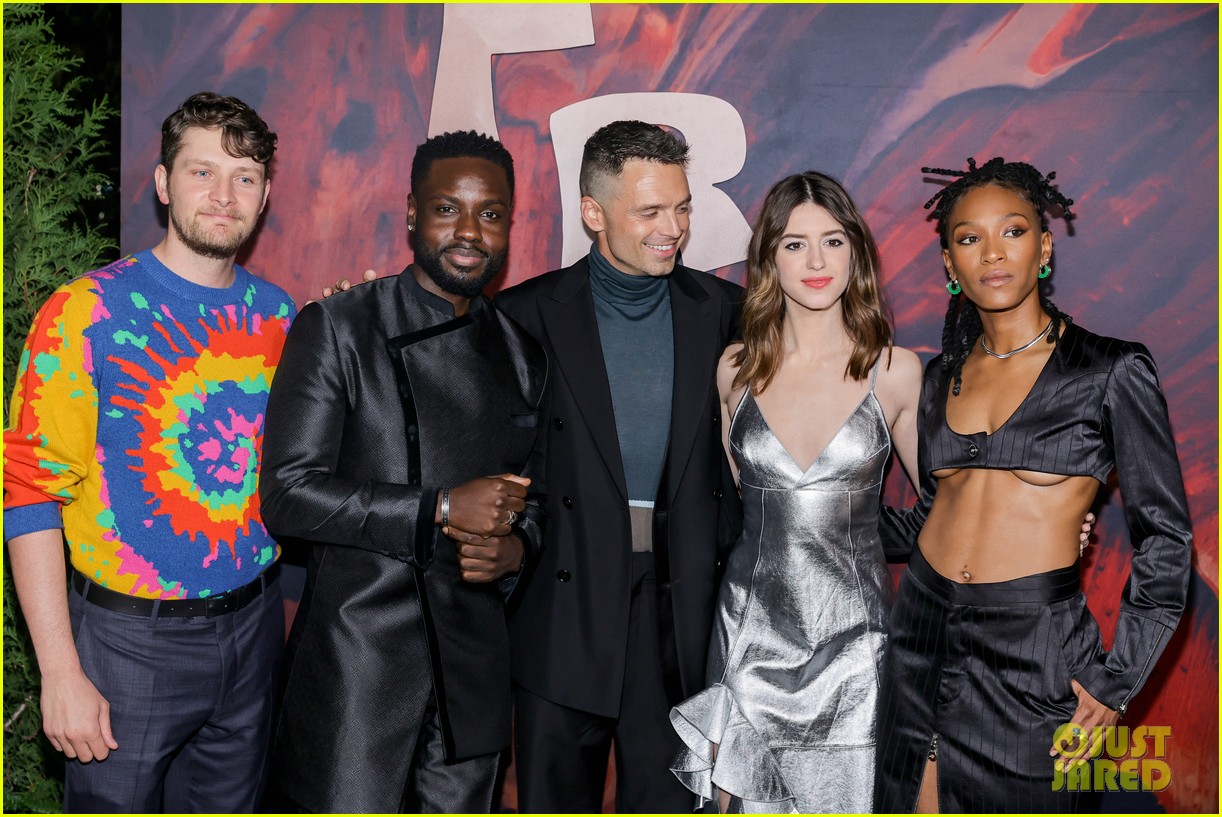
(991, 525)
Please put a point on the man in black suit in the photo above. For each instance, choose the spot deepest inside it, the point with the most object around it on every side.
(392, 404)
(614, 627)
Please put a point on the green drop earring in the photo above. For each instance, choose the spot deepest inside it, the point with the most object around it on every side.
(1045, 271)
(952, 286)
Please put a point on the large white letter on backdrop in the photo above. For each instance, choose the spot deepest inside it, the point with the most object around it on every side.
(472, 33)
(718, 142)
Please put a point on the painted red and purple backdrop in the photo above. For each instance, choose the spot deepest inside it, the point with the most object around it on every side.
(1120, 100)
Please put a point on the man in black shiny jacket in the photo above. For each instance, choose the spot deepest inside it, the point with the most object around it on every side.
(402, 445)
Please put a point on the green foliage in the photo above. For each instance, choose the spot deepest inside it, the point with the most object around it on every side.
(51, 192)
(51, 154)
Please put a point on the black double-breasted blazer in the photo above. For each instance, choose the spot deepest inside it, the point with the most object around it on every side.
(569, 635)
(383, 397)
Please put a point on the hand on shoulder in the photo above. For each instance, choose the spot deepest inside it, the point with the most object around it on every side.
(343, 285)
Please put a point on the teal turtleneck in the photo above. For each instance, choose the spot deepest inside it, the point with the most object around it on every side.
(638, 343)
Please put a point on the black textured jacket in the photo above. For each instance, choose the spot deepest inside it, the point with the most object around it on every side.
(382, 398)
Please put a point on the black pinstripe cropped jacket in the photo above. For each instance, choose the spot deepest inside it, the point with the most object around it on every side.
(1095, 407)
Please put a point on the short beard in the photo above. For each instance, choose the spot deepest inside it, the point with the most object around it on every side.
(464, 286)
(203, 245)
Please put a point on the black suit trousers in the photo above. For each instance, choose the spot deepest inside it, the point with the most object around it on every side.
(561, 752)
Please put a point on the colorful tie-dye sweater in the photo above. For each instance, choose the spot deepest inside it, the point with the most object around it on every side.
(137, 427)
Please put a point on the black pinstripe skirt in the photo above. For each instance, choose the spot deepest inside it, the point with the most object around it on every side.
(985, 668)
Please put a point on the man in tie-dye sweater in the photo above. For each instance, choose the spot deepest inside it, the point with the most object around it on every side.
(137, 424)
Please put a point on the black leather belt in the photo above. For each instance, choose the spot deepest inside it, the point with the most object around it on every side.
(227, 602)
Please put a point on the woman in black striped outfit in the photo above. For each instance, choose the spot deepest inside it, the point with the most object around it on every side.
(1022, 419)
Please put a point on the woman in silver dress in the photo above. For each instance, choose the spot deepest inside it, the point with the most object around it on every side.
(811, 401)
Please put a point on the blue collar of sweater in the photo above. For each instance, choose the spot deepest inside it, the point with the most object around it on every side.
(627, 293)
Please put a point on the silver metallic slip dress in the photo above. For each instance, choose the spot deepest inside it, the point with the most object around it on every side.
(787, 723)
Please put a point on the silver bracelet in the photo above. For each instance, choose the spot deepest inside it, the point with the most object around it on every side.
(445, 507)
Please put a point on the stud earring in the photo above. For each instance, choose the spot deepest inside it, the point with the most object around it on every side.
(1045, 271)
(952, 286)
(411, 227)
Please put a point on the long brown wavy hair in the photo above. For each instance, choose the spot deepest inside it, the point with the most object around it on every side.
(764, 308)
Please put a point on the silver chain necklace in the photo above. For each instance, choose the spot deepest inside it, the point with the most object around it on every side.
(1012, 352)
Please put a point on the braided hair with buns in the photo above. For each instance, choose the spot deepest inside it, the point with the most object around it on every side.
(963, 327)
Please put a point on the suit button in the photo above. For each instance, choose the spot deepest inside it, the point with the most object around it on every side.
(557, 423)
(717, 418)
(716, 493)
(563, 575)
(973, 451)
(568, 503)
